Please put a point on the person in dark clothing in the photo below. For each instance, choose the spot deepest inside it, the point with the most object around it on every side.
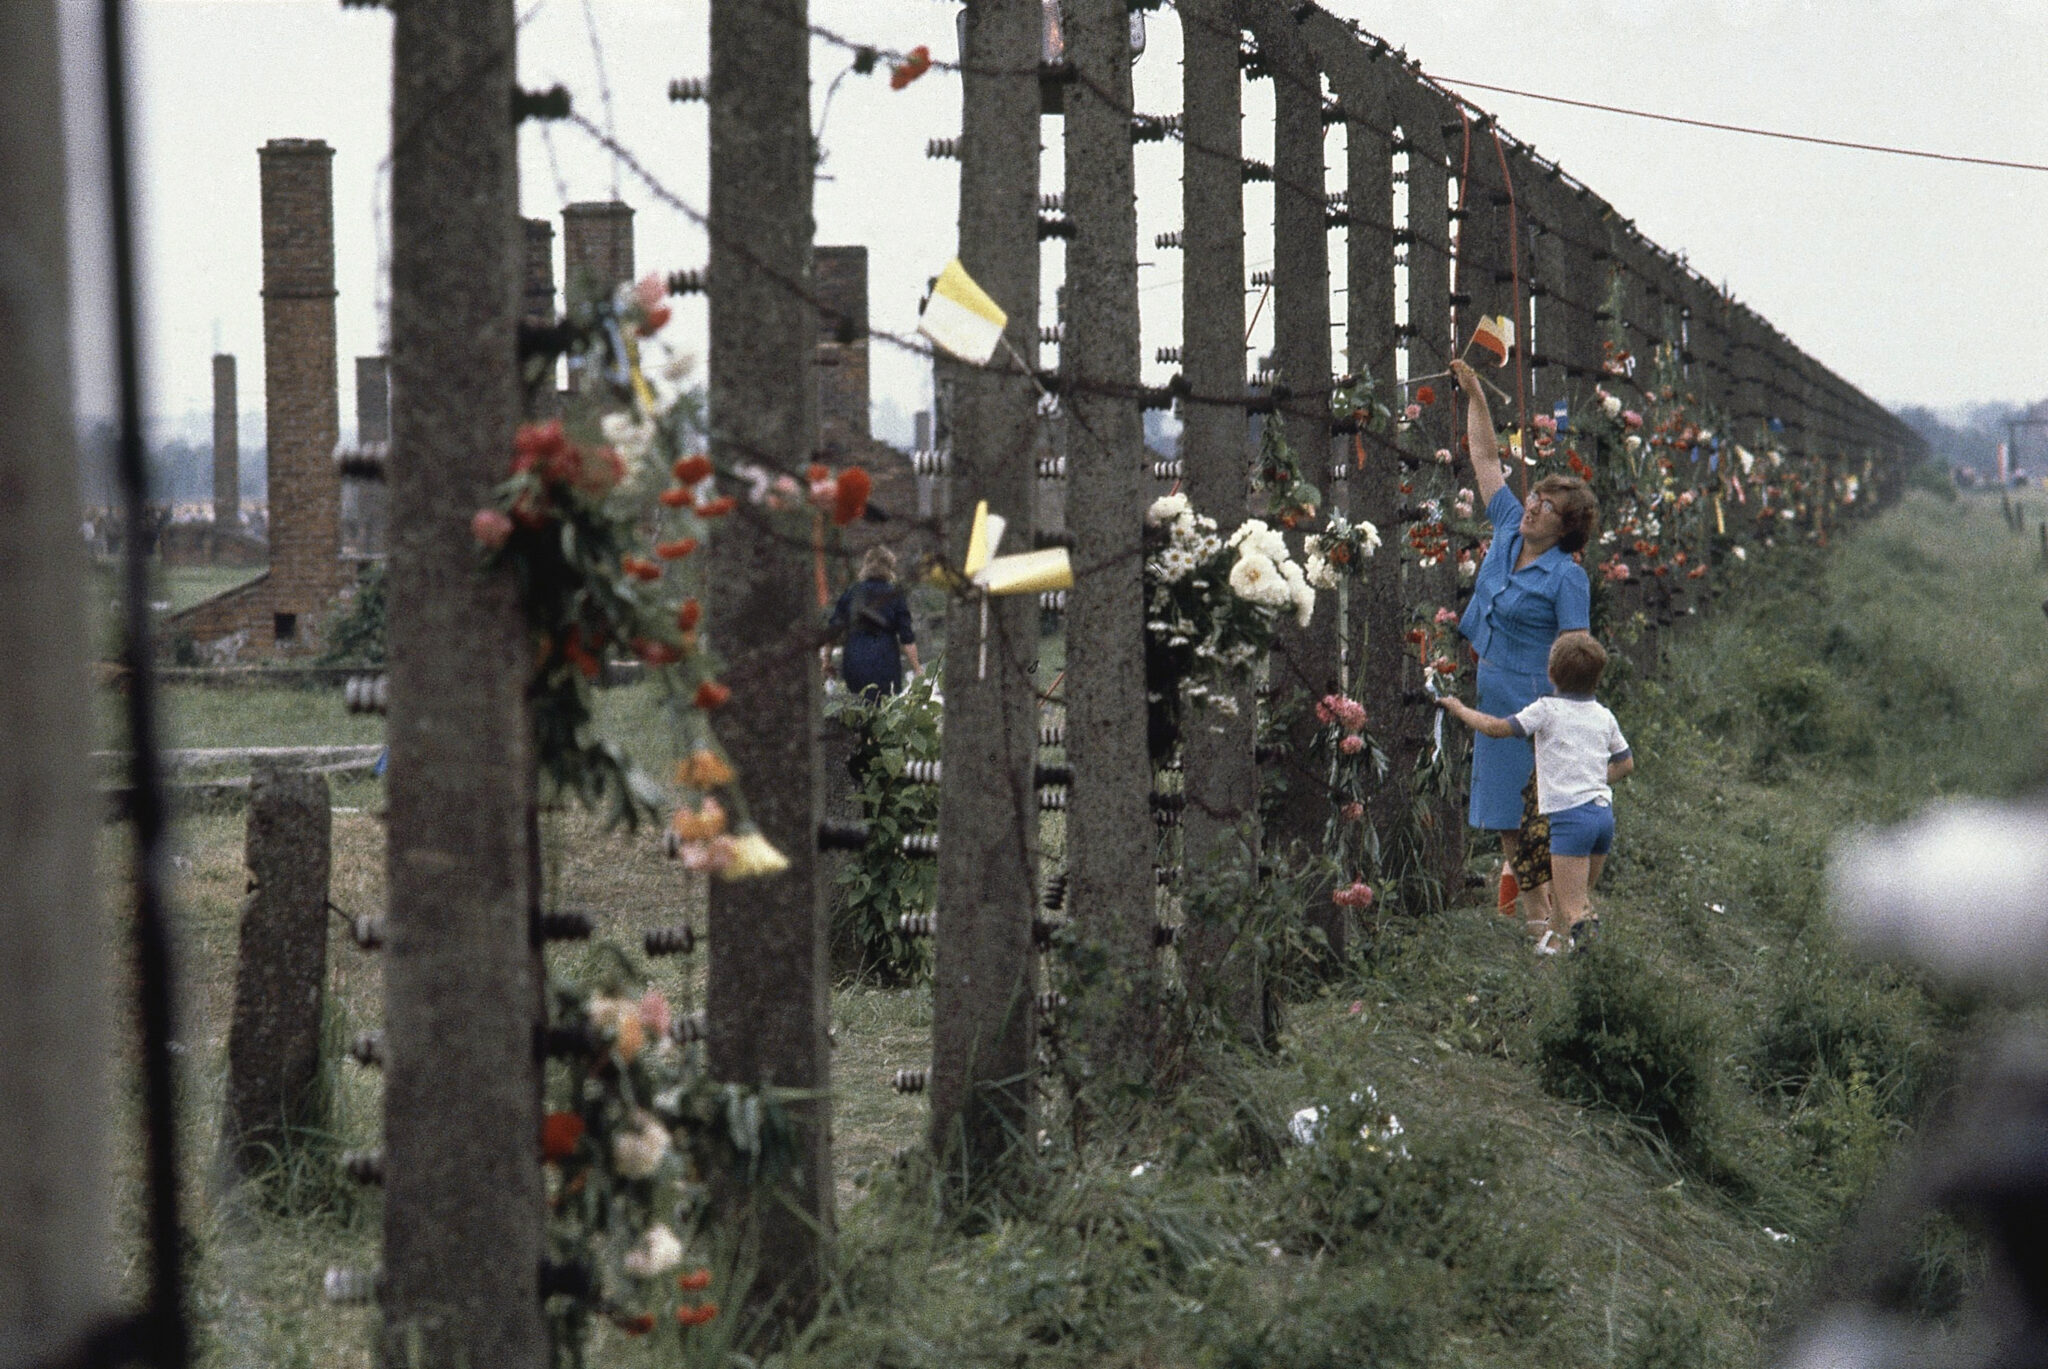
(873, 619)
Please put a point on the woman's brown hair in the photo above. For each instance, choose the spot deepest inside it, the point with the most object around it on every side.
(1576, 507)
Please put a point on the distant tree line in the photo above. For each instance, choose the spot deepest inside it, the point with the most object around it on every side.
(1973, 441)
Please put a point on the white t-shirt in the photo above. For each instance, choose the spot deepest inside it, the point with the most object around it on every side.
(1575, 738)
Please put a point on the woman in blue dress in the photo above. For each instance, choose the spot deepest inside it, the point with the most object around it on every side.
(874, 618)
(1528, 592)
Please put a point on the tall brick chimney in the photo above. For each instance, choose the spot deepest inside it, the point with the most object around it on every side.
(840, 276)
(227, 447)
(302, 404)
(597, 249)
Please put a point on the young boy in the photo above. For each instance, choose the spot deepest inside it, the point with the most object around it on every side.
(1580, 753)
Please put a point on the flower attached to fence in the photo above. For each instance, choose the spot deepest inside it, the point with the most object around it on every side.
(1341, 549)
(1357, 894)
(559, 1133)
(753, 857)
(915, 63)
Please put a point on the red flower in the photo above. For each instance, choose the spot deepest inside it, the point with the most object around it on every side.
(530, 509)
(694, 1280)
(490, 528)
(717, 508)
(676, 550)
(711, 694)
(600, 471)
(1426, 396)
(635, 1326)
(817, 474)
(697, 1316)
(692, 469)
(656, 318)
(656, 653)
(677, 498)
(640, 568)
(535, 443)
(914, 65)
(559, 1133)
(688, 614)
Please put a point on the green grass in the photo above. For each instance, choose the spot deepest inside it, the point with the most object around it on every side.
(1598, 1161)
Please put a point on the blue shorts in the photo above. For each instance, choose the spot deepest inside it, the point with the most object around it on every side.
(1587, 830)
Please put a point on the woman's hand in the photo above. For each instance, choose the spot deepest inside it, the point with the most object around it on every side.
(1486, 476)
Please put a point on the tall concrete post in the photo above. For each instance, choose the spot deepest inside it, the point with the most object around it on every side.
(1109, 825)
(55, 1008)
(462, 1188)
(227, 447)
(1305, 661)
(1220, 824)
(769, 980)
(983, 1034)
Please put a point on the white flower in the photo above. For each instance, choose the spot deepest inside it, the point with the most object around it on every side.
(1632, 442)
(1742, 553)
(1611, 406)
(1304, 605)
(1253, 535)
(1255, 578)
(1319, 573)
(1369, 537)
(1166, 509)
(654, 1254)
(1468, 570)
(631, 435)
(639, 1152)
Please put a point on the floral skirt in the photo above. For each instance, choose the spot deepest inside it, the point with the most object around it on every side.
(1532, 858)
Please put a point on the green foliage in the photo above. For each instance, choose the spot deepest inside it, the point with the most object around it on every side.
(354, 633)
(1932, 477)
(1620, 1039)
(878, 885)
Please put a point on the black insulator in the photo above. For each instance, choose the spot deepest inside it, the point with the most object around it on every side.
(838, 835)
(686, 282)
(910, 1081)
(691, 1026)
(941, 148)
(1055, 893)
(687, 89)
(566, 1278)
(1336, 218)
(1042, 929)
(363, 1166)
(917, 924)
(1256, 171)
(1053, 774)
(368, 1049)
(566, 926)
(1164, 875)
(1459, 298)
(1169, 803)
(351, 1287)
(545, 340)
(1165, 934)
(546, 105)
(568, 1041)
(677, 940)
(368, 931)
(1055, 226)
(1266, 755)
(1333, 112)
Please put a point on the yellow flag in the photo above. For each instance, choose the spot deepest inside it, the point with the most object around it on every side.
(961, 317)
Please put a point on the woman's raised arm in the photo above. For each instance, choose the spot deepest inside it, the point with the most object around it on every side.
(1486, 476)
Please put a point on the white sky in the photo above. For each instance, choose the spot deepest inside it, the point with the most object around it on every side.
(1912, 279)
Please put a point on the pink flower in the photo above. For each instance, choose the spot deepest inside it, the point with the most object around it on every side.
(1353, 811)
(708, 857)
(490, 528)
(1545, 423)
(1357, 895)
(1444, 615)
(1352, 744)
(1631, 418)
(1412, 412)
(1327, 708)
(1443, 456)
(1352, 714)
(649, 291)
(654, 1013)
(1357, 1007)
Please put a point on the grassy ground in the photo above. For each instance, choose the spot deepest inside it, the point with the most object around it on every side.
(1627, 1160)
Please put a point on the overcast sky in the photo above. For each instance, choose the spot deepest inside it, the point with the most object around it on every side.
(1912, 279)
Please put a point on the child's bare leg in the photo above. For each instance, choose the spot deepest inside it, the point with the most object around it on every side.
(1593, 871)
(1569, 876)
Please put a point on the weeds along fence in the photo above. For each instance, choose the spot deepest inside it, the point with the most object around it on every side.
(1708, 435)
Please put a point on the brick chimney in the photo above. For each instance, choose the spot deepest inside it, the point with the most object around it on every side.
(597, 249)
(302, 404)
(227, 447)
(840, 276)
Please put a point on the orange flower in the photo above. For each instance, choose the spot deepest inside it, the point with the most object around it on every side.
(631, 1038)
(717, 508)
(656, 318)
(677, 498)
(635, 1326)
(914, 64)
(694, 1280)
(640, 568)
(559, 1133)
(676, 550)
(704, 769)
(851, 500)
(688, 615)
(705, 823)
(816, 473)
(1425, 396)
(692, 469)
(697, 1316)
(711, 694)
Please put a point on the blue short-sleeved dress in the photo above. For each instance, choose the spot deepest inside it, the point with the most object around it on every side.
(1511, 621)
(875, 616)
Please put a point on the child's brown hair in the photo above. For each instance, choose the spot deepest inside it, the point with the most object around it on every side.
(1577, 662)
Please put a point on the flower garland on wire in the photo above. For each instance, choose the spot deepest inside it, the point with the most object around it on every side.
(628, 1161)
(1356, 768)
(601, 520)
(1441, 529)
(1212, 608)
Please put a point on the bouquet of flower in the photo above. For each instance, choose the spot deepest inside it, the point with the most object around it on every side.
(1356, 767)
(1341, 549)
(1212, 607)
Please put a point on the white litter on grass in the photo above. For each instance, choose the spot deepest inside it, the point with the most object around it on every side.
(1717, 907)
(1138, 1170)
(1306, 1126)
(1779, 1237)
